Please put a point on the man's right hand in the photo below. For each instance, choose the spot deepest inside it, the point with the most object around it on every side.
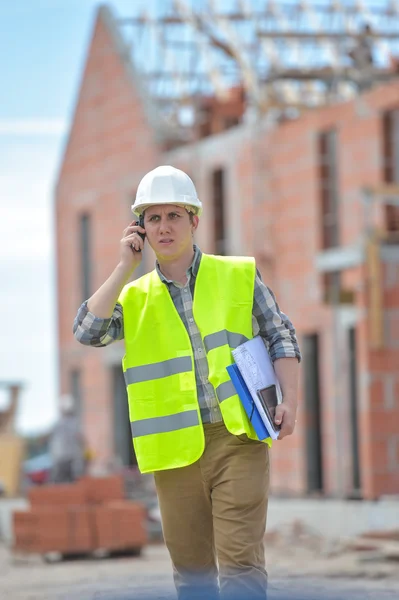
(102, 302)
(131, 246)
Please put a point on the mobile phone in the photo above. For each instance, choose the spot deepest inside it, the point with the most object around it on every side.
(140, 222)
(268, 400)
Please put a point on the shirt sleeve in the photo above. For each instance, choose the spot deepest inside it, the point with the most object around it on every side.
(90, 330)
(272, 324)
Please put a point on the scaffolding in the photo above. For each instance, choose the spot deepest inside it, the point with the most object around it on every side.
(285, 56)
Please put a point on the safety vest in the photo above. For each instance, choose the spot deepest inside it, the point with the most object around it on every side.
(159, 362)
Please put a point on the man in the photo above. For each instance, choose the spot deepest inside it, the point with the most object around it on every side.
(179, 324)
(67, 448)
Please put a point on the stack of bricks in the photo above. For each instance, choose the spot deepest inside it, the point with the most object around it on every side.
(80, 518)
(114, 524)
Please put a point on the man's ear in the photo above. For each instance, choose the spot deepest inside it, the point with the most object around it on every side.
(195, 222)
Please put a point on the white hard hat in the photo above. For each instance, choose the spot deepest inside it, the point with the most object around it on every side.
(166, 185)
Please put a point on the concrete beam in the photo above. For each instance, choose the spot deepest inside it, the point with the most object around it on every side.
(340, 258)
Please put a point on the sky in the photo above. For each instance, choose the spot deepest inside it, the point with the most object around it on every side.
(43, 45)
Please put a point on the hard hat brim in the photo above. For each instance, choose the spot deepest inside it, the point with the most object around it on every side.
(138, 209)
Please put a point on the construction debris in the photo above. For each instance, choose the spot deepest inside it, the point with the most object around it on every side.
(372, 555)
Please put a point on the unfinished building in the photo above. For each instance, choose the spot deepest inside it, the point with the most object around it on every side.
(286, 116)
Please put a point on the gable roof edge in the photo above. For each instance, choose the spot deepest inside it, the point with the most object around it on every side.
(105, 14)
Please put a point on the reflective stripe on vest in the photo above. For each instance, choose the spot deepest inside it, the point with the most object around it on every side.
(165, 424)
(225, 390)
(220, 338)
(173, 366)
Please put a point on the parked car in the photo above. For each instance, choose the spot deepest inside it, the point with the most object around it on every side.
(37, 470)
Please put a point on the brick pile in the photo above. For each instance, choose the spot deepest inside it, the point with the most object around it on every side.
(91, 514)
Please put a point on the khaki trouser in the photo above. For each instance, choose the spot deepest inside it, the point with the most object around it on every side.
(214, 513)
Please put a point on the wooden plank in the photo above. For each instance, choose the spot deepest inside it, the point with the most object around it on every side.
(385, 189)
(375, 294)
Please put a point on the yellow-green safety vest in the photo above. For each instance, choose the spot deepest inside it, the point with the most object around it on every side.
(159, 362)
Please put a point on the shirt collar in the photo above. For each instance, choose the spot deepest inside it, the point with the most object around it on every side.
(191, 271)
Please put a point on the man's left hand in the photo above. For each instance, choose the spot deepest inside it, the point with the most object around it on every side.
(286, 417)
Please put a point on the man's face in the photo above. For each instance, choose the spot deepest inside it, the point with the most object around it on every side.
(169, 230)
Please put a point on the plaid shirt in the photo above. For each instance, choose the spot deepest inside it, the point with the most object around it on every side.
(268, 322)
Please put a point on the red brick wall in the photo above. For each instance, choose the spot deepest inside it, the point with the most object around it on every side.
(382, 468)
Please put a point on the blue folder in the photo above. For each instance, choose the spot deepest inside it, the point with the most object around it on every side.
(247, 401)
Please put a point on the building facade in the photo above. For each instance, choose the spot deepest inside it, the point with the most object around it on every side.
(315, 200)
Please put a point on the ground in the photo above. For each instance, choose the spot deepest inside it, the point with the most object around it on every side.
(304, 571)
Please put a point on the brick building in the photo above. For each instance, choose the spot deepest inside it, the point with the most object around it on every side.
(313, 199)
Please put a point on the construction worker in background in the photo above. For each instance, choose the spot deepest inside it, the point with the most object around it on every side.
(179, 323)
(67, 447)
(362, 59)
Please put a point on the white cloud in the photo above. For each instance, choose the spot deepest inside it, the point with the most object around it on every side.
(28, 127)
(26, 202)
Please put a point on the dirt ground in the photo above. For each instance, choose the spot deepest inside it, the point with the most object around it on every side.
(301, 566)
